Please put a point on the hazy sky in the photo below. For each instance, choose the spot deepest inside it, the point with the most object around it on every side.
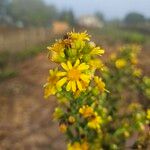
(110, 8)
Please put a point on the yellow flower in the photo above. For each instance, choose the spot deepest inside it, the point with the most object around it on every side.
(63, 127)
(77, 45)
(134, 60)
(57, 51)
(74, 146)
(57, 47)
(113, 56)
(96, 64)
(148, 114)
(50, 86)
(85, 146)
(126, 134)
(134, 106)
(78, 146)
(97, 51)
(99, 83)
(95, 122)
(58, 113)
(137, 72)
(71, 119)
(74, 76)
(79, 36)
(57, 57)
(120, 63)
(86, 111)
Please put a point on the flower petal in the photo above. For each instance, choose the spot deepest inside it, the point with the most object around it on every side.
(64, 66)
(79, 85)
(69, 65)
(73, 84)
(83, 66)
(77, 63)
(68, 87)
(61, 82)
(85, 77)
(60, 74)
(97, 51)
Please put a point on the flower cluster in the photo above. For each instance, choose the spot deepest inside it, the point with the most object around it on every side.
(126, 84)
(77, 89)
(91, 116)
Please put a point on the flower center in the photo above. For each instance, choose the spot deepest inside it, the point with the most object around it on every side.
(74, 74)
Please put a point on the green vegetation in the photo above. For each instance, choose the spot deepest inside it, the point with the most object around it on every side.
(6, 74)
(133, 38)
(68, 17)
(25, 13)
(8, 61)
(116, 34)
(32, 12)
(134, 18)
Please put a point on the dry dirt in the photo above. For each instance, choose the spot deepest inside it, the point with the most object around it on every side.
(25, 117)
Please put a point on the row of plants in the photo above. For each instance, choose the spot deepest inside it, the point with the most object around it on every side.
(98, 106)
(8, 61)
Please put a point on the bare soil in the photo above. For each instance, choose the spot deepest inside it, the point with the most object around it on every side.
(25, 117)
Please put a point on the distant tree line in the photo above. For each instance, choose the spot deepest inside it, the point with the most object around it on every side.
(134, 18)
(33, 12)
(37, 13)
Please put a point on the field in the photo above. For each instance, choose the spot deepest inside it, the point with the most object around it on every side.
(25, 117)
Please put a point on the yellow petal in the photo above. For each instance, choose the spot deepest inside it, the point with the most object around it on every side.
(85, 77)
(61, 82)
(69, 65)
(65, 66)
(51, 72)
(83, 66)
(60, 74)
(97, 51)
(77, 63)
(79, 85)
(68, 87)
(49, 90)
(53, 91)
(73, 84)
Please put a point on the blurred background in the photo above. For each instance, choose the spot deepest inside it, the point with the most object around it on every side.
(27, 27)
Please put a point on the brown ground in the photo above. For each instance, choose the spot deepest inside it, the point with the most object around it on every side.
(25, 117)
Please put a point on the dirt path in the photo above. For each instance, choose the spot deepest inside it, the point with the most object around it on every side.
(25, 117)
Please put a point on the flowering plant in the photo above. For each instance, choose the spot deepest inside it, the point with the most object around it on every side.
(78, 90)
(127, 84)
(91, 117)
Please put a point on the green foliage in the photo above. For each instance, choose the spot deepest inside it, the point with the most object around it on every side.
(100, 16)
(6, 74)
(125, 83)
(67, 16)
(134, 38)
(113, 34)
(9, 59)
(146, 86)
(4, 58)
(32, 12)
(28, 53)
(134, 18)
(3, 6)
